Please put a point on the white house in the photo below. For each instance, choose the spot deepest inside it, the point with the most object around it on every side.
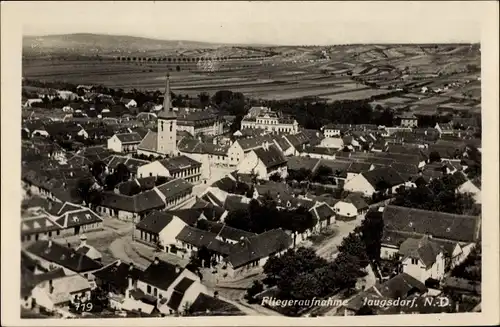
(473, 187)
(250, 254)
(184, 294)
(264, 162)
(331, 131)
(160, 279)
(422, 259)
(240, 147)
(177, 167)
(351, 207)
(159, 228)
(124, 142)
(376, 180)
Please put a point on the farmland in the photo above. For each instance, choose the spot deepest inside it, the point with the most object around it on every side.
(268, 73)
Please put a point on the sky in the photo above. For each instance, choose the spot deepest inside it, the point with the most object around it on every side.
(280, 22)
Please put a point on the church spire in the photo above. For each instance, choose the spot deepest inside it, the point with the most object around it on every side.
(167, 112)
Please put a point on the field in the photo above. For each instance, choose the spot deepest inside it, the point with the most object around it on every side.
(271, 72)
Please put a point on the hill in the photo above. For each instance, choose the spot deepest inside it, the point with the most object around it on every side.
(92, 44)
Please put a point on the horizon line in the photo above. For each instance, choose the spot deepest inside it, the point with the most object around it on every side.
(258, 43)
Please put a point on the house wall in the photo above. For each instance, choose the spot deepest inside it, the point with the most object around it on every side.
(255, 266)
(360, 185)
(419, 271)
(154, 168)
(191, 294)
(388, 251)
(345, 209)
(114, 144)
(409, 122)
(331, 132)
(252, 164)
(162, 293)
(269, 125)
(204, 159)
(317, 155)
(170, 232)
(131, 147)
(145, 237)
(235, 154)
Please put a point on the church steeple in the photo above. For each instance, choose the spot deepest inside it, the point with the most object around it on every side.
(167, 112)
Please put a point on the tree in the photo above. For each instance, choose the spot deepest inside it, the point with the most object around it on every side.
(434, 156)
(122, 173)
(83, 188)
(322, 174)
(354, 246)
(256, 288)
(371, 231)
(97, 169)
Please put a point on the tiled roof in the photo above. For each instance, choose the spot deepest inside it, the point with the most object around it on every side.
(117, 274)
(228, 232)
(438, 224)
(83, 216)
(270, 157)
(138, 203)
(132, 163)
(423, 249)
(356, 200)
(205, 303)
(174, 187)
(382, 178)
(296, 163)
(128, 138)
(297, 140)
(358, 167)
(161, 274)
(40, 224)
(62, 255)
(190, 215)
(179, 163)
(149, 142)
(155, 222)
(322, 212)
(282, 143)
(258, 247)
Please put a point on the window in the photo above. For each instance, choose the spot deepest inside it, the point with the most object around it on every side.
(414, 261)
(155, 291)
(161, 126)
(149, 289)
(171, 126)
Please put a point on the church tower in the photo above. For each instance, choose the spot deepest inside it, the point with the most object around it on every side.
(167, 125)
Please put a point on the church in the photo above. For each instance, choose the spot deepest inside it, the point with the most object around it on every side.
(163, 142)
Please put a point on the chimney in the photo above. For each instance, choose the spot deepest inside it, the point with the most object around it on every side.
(50, 243)
(156, 261)
(177, 269)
